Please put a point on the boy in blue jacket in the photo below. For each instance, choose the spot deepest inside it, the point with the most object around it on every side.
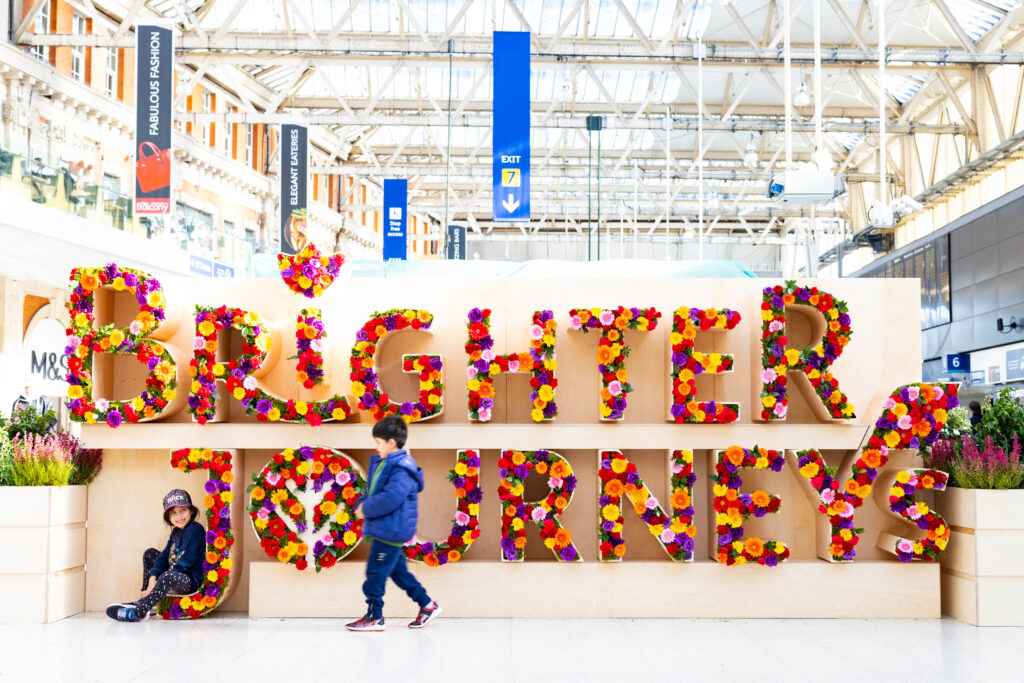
(389, 510)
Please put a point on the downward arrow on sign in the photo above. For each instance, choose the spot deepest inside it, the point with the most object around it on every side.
(511, 203)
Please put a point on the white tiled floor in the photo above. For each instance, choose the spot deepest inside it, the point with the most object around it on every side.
(90, 647)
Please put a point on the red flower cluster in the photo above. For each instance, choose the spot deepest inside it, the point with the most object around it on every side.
(733, 507)
(901, 501)
(365, 383)
(309, 336)
(515, 466)
(465, 477)
(687, 364)
(815, 360)
(308, 272)
(911, 417)
(217, 562)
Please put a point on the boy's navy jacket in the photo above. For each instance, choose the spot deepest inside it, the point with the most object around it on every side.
(391, 511)
(183, 553)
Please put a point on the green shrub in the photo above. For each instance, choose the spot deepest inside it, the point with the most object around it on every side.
(6, 459)
(43, 460)
(1002, 420)
(31, 421)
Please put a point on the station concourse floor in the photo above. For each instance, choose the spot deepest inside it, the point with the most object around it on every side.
(224, 647)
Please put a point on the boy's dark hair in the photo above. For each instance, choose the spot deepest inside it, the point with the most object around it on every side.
(192, 510)
(392, 427)
(974, 405)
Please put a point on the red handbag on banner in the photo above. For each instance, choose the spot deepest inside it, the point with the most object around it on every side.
(154, 170)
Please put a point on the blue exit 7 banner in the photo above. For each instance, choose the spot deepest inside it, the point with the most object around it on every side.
(511, 198)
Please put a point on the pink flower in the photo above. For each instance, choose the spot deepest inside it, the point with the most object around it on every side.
(536, 332)
(889, 404)
(574, 322)
(847, 511)
(677, 468)
(249, 383)
(135, 327)
(485, 414)
(913, 393)
(775, 326)
(471, 372)
(513, 366)
(317, 345)
(461, 518)
(780, 409)
(342, 478)
(667, 535)
(828, 496)
(905, 546)
(263, 514)
(652, 503)
(606, 317)
(538, 514)
(102, 405)
(768, 375)
(554, 482)
(904, 422)
(487, 355)
(273, 478)
(913, 513)
(615, 387)
(199, 343)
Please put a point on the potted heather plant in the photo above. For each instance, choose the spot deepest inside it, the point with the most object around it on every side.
(42, 525)
(982, 577)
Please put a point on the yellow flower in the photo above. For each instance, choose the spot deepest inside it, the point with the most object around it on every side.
(792, 356)
(610, 512)
(537, 415)
(75, 392)
(206, 328)
(116, 337)
(474, 508)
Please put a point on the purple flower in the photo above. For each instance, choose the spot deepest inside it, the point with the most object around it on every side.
(475, 315)
(114, 418)
(288, 272)
(771, 560)
(508, 545)
(176, 612)
(263, 406)
(569, 554)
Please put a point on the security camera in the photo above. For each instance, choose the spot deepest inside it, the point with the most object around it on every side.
(907, 204)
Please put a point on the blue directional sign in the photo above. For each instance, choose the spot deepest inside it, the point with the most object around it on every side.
(511, 135)
(958, 362)
(395, 192)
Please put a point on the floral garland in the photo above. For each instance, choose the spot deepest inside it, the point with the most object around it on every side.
(429, 368)
(612, 350)
(484, 364)
(217, 562)
(239, 381)
(733, 507)
(777, 360)
(270, 501)
(309, 347)
(308, 272)
(84, 340)
(465, 477)
(912, 416)
(687, 364)
(365, 380)
(514, 467)
(901, 501)
(618, 477)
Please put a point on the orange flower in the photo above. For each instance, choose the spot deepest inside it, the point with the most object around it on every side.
(753, 547)
(89, 281)
(560, 469)
(541, 468)
(680, 499)
(604, 355)
(872, 459)
(851, 486)
(760, 499)
(454, 555)
(563, 537)
(620, 550)
(486, 390)
(735, 455)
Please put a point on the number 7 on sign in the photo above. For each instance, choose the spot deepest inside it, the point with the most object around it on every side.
(510, 177)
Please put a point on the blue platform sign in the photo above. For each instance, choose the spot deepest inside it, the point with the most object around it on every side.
(220, 270)
(958, 362)
(395, 191)
(1015, 364)
(200, 265)
(511, 137)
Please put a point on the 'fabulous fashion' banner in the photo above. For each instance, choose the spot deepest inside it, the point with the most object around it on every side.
(154, 68)
(294, 161)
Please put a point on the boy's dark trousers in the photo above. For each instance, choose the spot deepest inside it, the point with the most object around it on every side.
(389, 561)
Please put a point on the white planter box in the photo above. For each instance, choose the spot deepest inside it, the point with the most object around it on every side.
(42, 566)
(983, 566)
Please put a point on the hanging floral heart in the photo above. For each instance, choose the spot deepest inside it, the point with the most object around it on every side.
(309, 273)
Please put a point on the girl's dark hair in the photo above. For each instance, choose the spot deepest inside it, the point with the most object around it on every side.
(192, 510)
(392, 427)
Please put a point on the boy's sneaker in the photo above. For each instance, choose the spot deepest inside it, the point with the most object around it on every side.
(426, 615)
(126, 612)
(367, 623)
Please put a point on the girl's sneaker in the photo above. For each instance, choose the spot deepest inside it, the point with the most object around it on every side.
(367, 623)
(126, 612)
(426, 615)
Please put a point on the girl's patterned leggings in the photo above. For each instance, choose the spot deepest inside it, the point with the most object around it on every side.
(168, 582)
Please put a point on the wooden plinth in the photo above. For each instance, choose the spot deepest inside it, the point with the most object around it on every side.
(815, 589)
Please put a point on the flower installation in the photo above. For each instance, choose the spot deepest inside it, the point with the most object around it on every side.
(688, 363)
(901, 501)
(612, 350)
(912, 417)
(465, 477)
(237, 373)
(309, 273)
(429, 368)
(485, 364)
(366, 381)
(84, 341)
(815, 361)
(515, 467)
(732, 508)
(619, 478)
(278, 517)
(217, 561)
(309, 348)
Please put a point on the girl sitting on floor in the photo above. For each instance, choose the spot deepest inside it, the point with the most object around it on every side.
(178, 569)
